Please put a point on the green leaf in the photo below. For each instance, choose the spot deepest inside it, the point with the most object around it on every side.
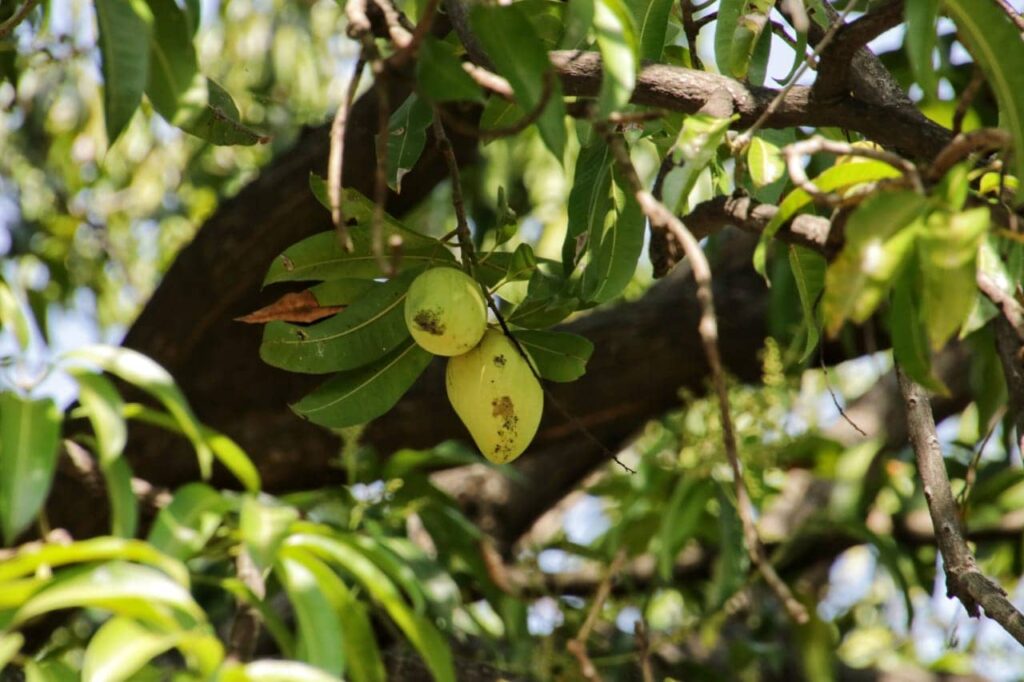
(407, 135)
(125, 589)
(996, 45)
(549, 300)
(120, 648)
(835, 178)
(809, 273)
(361, 653)
(619, 47)
(522, 264)
(264, 524)
(419, 631)
(590, 199)
(764, 160)
(877, 246)
(172, 58)
(10, 644)
(184, 526)
(652, 19)
(680, 521)
(729, 12)
(695, 148)
(746, 36)
(320, 257)
(558, 356)
(209, 112)
(909, 340)
(225, 450)
(356, 397)
(948, 252)
(364, 332)
(13, 317)
(140, 371)
(613, 250)
(319, 630)
(34, 558)
(29, 436)
(102, 404)
(124, 30)
(500, 113)
(521, 57)
(921, 17)
(440, 76)
(579, 17)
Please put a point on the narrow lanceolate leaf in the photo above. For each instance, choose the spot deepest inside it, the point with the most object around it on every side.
(363, 661)
(407, 135)
(123, 588)
(619, 46)
(746, 36)
(31, 559)
(695, 148)
(10, 644)
(29, 436)
(809, 272)
(589, 200)
(172, 58)
(183, 527)
(208, 111)
(124, 30)
(880, 236)
(613, 250)
(909, 340)
(921, 16)
(320, 632)
(276, 671)
(120, 648)
(420, 632)
(520, 56)
(356, 397)
(139, 370)
(729, 12)
(948, 256)
(833, 179)
(996, 45)
(651, 26)
(13, 318)
(264, 524)
(440, 75)
(558, 356)
(765, 162)
(366, 330)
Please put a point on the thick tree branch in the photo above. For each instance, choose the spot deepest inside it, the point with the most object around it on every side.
(837, 58)
(963, 579)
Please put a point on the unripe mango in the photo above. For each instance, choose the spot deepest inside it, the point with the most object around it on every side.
(496, 396)
(445, 311)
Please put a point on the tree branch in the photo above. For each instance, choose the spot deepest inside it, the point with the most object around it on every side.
(837, 58)
(963, 579)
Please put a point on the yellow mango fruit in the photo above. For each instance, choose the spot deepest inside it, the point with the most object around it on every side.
(445, 311)
(496, 396)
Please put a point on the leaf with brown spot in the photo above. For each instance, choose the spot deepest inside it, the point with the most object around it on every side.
(299, 306)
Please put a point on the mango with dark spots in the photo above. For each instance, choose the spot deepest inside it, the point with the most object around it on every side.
(496, 396)
(445, 311)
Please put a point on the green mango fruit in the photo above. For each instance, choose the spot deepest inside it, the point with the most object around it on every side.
(496, 396)
(445, 311)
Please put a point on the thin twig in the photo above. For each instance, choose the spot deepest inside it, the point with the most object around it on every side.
(495, 133)
(396, 23)
(794, 154)
(967, 98)
(1014, 15)
(659, 215)
(400, 58)
(744, 139)
(692, 31)
(17, 18)
(643, 645)
(577, 646)
(965, 144)
(337, 153)
(832, 393)
(963, 578)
